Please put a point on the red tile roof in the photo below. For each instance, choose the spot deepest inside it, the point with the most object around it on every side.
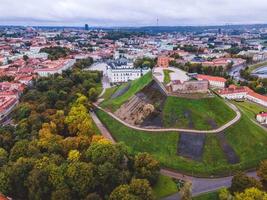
(262, 114)
(211, 78)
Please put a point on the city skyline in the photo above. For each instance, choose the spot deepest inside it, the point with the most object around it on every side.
(132, 13)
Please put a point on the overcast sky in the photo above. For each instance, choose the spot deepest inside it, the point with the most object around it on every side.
(132, 12)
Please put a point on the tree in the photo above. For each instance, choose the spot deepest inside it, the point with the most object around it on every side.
(100, 153)
(138, 189)
(49, 140)
(122, 192)
(25, 57)
(93, 196)
(251, 194)
(20, 149)
(186, 191)
(81, 178)
(18, 174)
(74, 156)
(224, 194)
(93, 94)
(78, 120)
(262, 171)
(146, 167)
(4, 183)
(38, 184)
(144, 62)
(241, 181)
(3, 157)
(108, 177)
(61, 194)
(141, 189)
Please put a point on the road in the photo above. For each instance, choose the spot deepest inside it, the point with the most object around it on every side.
(218, 130)
(199, 185)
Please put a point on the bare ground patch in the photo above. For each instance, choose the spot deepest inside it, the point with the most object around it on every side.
(191, 146)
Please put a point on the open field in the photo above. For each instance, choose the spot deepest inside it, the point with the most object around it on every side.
(247, 139)
(136, 85)
(200, 114)
(164, 187)
(208, 196)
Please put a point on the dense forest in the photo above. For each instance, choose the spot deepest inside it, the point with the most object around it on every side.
(54, 150)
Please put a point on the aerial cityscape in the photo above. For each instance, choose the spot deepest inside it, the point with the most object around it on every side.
(124, 102)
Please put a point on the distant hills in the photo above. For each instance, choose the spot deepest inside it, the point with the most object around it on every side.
(157, 29)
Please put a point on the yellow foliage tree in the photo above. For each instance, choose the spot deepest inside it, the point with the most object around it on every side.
(74, 155)
(251, 194)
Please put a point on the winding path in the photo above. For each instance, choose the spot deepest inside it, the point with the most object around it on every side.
(199, 185)
(218, 130)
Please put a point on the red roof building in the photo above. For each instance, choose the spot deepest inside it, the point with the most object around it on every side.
(214, 81)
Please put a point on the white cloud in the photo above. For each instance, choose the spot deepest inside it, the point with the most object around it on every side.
(132, 12)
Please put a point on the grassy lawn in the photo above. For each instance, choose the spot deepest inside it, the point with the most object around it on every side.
(109, 91)
(208, 196)
(137, 85)
(248, 139)
(167, 77)
(163, 146)
(196, 113)
(250, 109)
(164, 187)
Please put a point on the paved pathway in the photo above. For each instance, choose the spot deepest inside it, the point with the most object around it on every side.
(199, 185)
(218, 130)
(101, 127)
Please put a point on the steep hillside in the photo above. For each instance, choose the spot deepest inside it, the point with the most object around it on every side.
(114, 103)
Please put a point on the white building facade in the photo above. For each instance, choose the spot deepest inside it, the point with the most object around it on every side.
(121, 75)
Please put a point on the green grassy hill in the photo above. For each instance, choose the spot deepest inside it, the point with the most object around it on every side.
(201, 114)
(247, 139)
(136, 86)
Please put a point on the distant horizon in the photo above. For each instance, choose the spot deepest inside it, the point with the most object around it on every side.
(129, 26)
(132, 13)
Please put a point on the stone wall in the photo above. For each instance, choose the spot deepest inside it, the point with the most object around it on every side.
(190, 87)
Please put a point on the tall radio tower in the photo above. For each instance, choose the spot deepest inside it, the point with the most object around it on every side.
(157, 21)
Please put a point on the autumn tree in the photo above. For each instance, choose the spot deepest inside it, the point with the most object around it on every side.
(3, 157)
(241, 181)
(78, 120)
(141, 188)
(104, 151)
(251, 194)
(146, 167)
(138, 189)
(81, 178)
(92, 94)
(5, 186)
(74, 155)
(186, 191)
(61, 194)
(224, 194)
(38, 184)
(262, 172)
